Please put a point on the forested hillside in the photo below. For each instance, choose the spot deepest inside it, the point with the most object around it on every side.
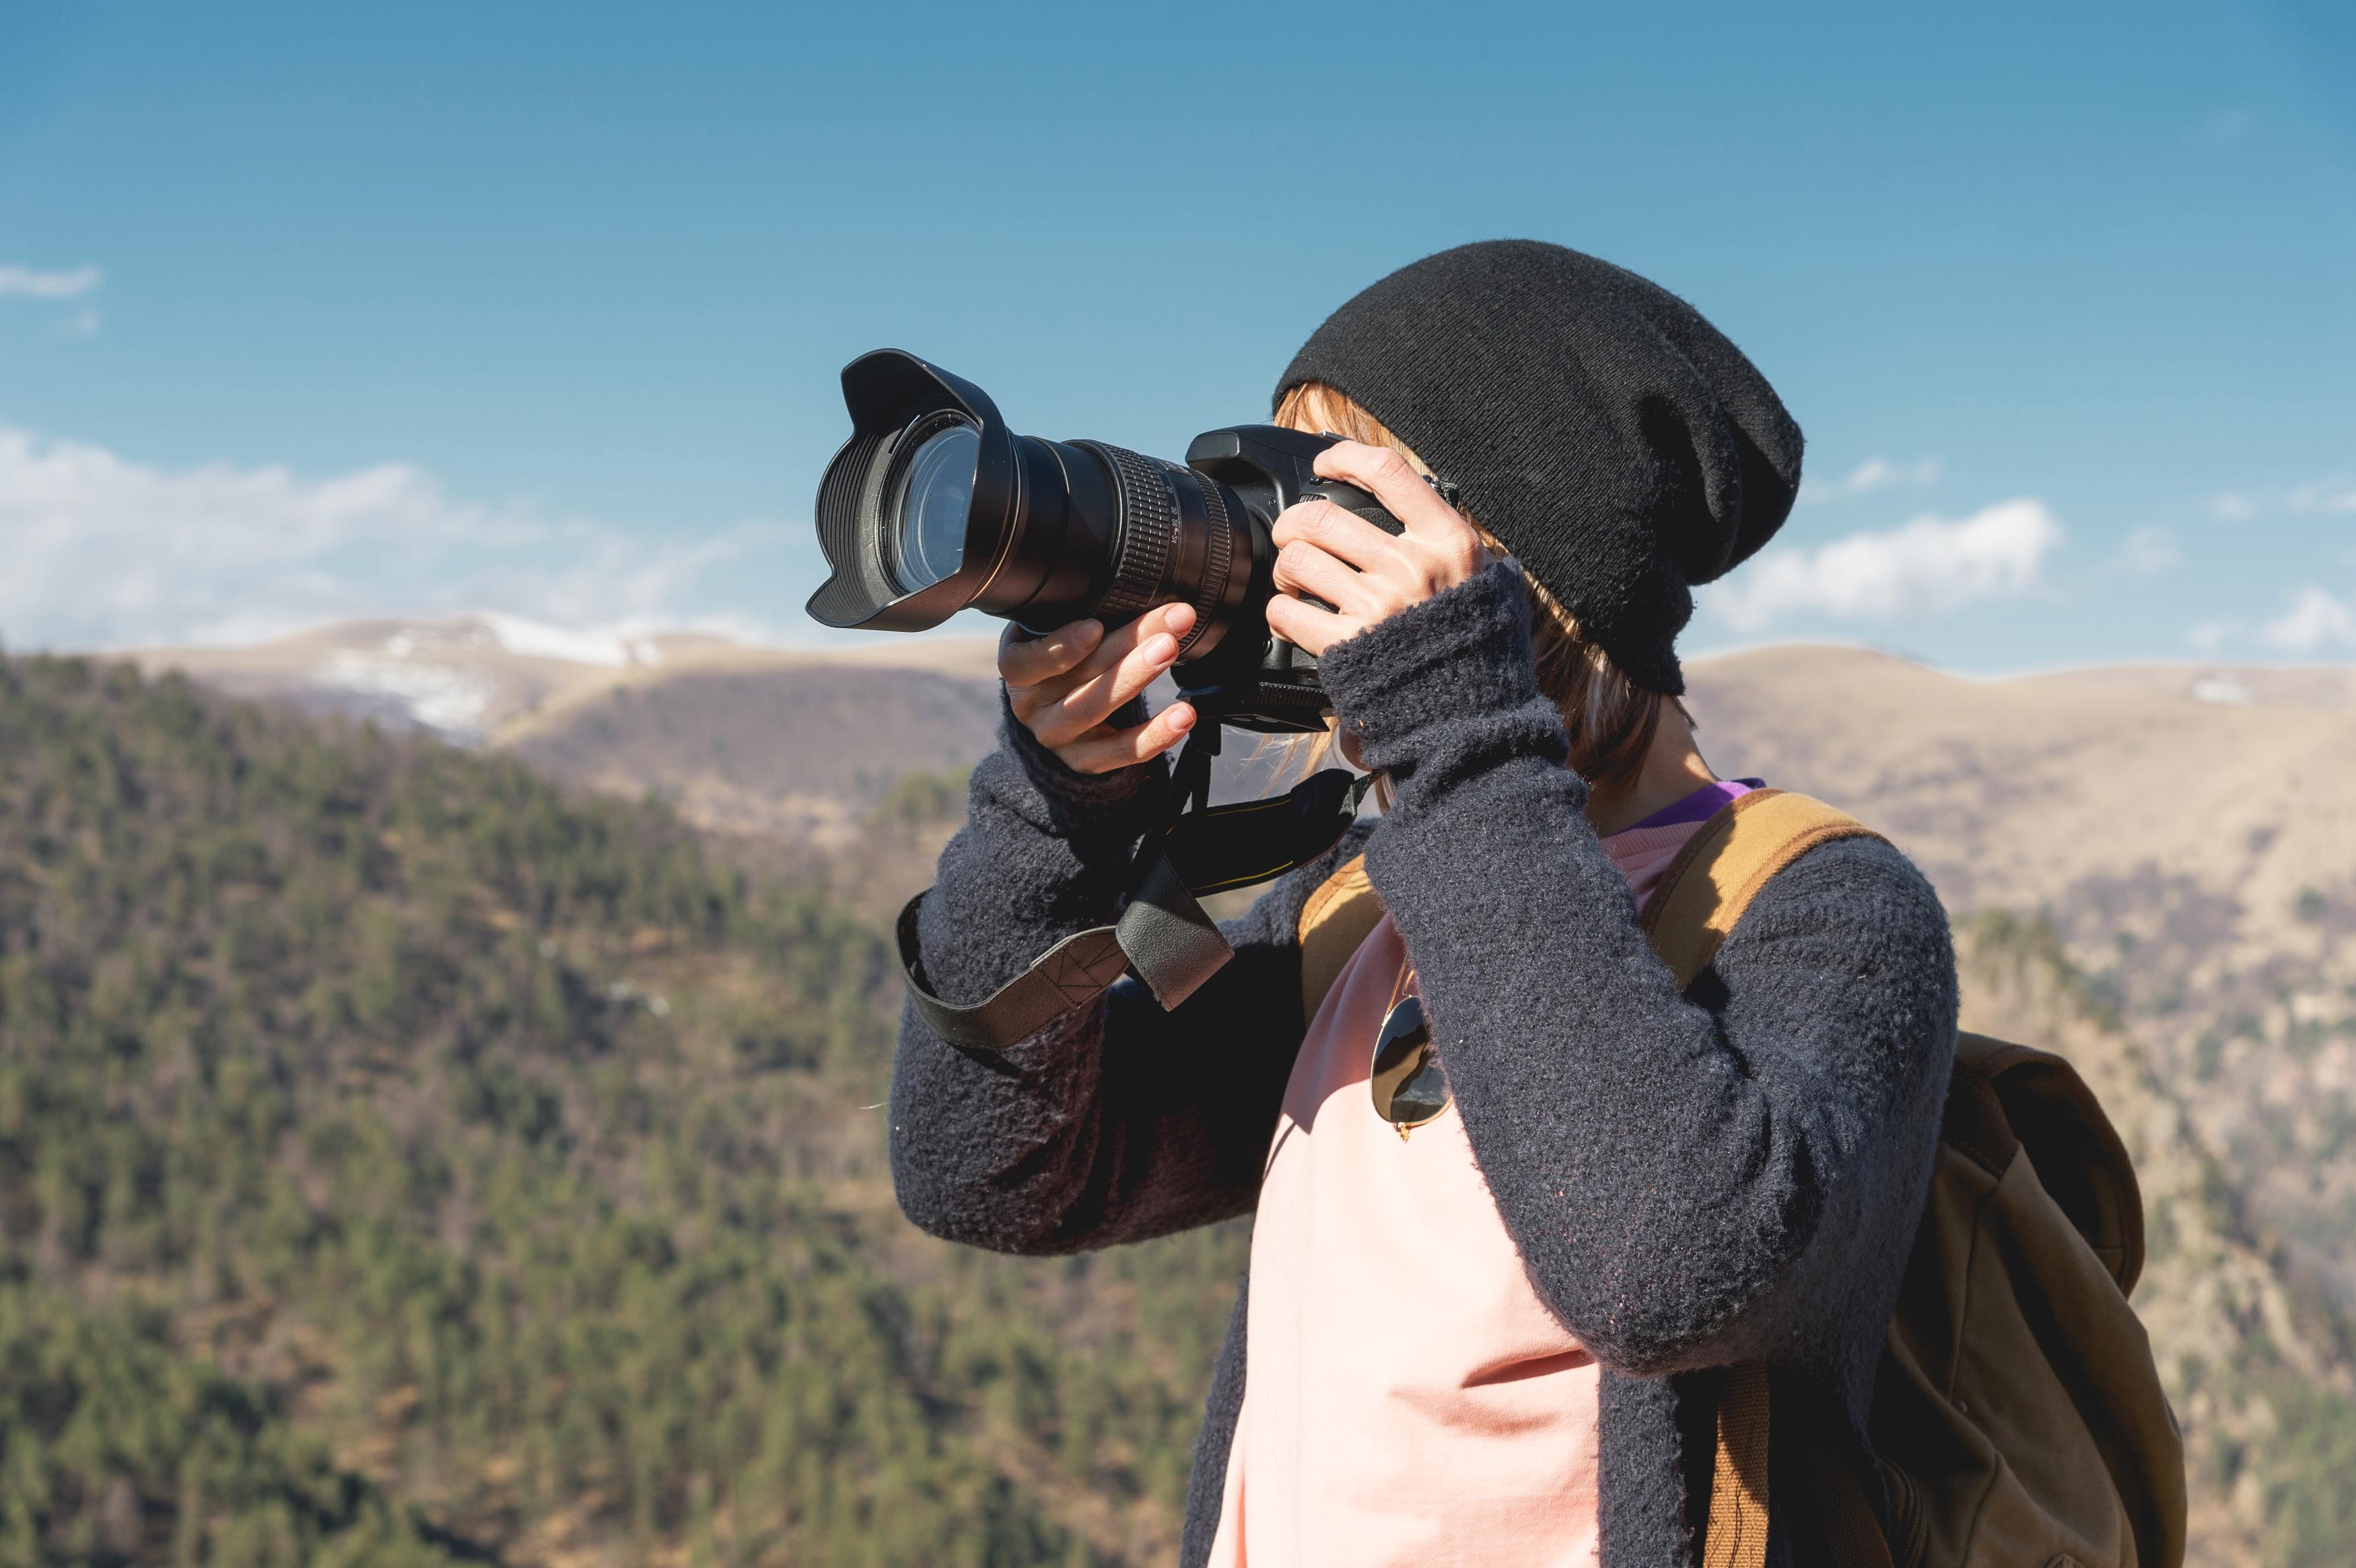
(402, 1164)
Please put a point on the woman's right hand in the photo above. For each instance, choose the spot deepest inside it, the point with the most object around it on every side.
(1066, 686)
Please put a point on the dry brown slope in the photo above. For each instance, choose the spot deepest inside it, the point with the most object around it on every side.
(2008, 790)
(803, 752)
(795, 743)
(2197, 859)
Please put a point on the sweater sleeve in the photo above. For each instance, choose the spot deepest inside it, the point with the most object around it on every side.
(1692, 1180)
(1118, 1121)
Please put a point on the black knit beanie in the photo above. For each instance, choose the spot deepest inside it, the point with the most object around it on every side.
(1610, 437)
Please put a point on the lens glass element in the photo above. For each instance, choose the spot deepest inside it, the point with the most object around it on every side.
(933, 497)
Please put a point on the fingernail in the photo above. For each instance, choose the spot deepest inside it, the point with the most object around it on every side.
(1179, 617)
(1160, 646)
(1087, 631)
(1182, 717)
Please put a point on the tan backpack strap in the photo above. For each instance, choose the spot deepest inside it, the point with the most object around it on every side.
(1334, 920)
(1702, 894)
(1838, 1524)
(1701, 897)
(1722, 867)
(1737, 1534)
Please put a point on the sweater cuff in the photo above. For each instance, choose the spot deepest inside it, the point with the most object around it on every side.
(1464, 652)
(1121, 804)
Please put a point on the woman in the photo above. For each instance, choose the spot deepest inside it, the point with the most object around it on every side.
(1493, 1335)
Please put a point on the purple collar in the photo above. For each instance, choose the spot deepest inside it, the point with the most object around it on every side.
(1699, 806)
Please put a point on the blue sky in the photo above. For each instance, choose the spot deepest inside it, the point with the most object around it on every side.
(307, 311)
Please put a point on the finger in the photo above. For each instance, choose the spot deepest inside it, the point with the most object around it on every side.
(1102, 660)
(1337, 533)
(1302, 568)
(1164, 619)
(1127, 748)
(1307, 627)
(1094, 700)
(1026, 660)
(1394, 481)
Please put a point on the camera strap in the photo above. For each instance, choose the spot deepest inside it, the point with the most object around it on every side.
(1162, 935)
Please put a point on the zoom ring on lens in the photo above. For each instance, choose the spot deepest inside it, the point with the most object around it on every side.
(1215, 563)
(1149, 516)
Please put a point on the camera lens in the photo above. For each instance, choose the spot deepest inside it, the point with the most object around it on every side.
(934, 495)
(935, 505)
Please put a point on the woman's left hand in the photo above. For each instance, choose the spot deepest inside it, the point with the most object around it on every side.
(1365, 573)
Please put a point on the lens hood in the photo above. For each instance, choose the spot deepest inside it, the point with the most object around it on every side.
(892, 398)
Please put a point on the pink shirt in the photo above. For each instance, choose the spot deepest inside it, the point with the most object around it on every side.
(1407, 1398)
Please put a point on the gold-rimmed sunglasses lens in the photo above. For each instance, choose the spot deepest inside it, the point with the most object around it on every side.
(1409, 1086)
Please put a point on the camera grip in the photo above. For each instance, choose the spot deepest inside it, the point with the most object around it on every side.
(1350, 498)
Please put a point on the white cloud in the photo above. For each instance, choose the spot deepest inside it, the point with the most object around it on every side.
(1873, 474)
(2315, 617)
(1929, 566)
(2336, 492)
(2147, 551)
(536, 639)
(106, 552)
(27, 283)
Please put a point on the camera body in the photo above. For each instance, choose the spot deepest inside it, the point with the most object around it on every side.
(935, 505)
(1268, 468)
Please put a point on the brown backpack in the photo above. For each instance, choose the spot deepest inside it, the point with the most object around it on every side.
(2017, 1412)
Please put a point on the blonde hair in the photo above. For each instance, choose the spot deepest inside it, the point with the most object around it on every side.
(1610, 719)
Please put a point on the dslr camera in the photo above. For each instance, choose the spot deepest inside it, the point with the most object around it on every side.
(935, 505)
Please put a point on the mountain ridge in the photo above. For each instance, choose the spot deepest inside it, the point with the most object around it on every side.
(479, 677)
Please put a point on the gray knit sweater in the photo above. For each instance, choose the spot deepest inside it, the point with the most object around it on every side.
(1731, 1175)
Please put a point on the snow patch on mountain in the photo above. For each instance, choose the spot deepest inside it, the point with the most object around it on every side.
(442, 698)
(538, 640)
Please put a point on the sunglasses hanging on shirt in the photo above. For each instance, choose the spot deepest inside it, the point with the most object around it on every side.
(1410, 1086)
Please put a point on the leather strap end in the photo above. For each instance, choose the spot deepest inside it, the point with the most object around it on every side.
(1172, 943)
(1075, 971)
